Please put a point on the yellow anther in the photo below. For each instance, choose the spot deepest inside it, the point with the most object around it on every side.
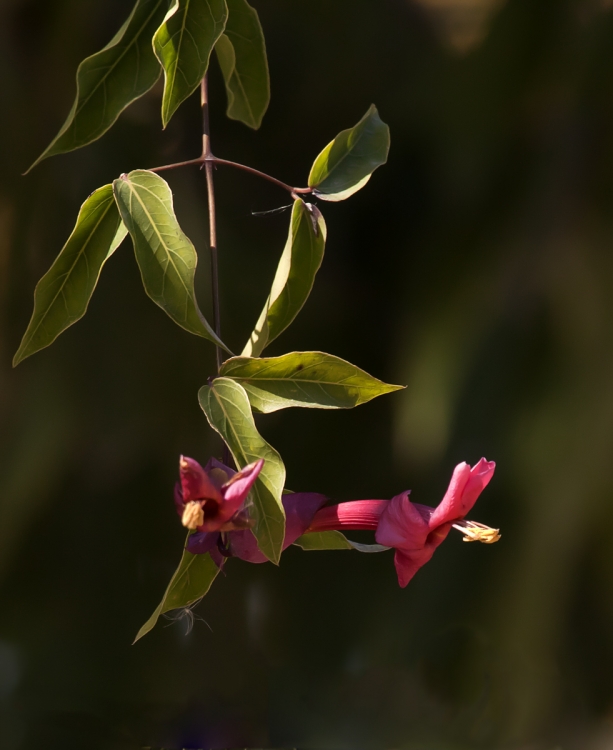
(477, 532)
(193, 515)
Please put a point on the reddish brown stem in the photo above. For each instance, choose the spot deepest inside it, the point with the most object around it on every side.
(208, 158)
(208, 165)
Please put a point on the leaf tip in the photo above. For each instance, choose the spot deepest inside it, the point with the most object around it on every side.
(276, 560)
(34, 163)
(22, 352)
(144, 629)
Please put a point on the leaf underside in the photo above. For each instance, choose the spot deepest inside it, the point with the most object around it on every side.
(190, 582)
(346, 164)
(307, 379)
(62, 295)
(227, 409)
(294, 278)
(183, 45)
(334, 540)
(241, 52)
(111, 79)
(165, 255)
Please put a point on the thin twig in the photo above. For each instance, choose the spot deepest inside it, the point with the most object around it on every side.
(256, 172)
(208, 164)
(178, 164)
(209, 158)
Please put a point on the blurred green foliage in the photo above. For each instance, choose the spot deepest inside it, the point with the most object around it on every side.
(477, 268)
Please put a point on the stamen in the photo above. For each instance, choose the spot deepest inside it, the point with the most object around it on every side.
(477, 532)
(193, 515)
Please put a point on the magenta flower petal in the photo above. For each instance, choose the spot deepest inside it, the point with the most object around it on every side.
(407, 565)
(300, 507)
(402, 525)
(465, 487)
(179, 504)
(195, 482)
(213, 463)
(218, 473)
(201, 542)
(235, 491)
(244, 545)
(217, 557)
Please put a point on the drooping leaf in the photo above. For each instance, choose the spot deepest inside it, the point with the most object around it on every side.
(345, 164)
(62, 295)
(309, 379)
(329, 540)
(300, 261)
(190, 582)
(227, 409)
(241, 51)
(165, 255)
(183, 45)
(110, 80)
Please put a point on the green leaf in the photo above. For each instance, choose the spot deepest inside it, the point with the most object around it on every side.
(190, 582)
(242, 57)
(328, 540)
(323, 540)
(309, 379)
(369, 548)
(166, 257)
(62, 295)
(300, 261)
(110, 80)
(183, 45)
(226, 406)
(345, 164)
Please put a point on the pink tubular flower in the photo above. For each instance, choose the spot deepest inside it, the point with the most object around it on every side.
(415, 531)
(210, 501)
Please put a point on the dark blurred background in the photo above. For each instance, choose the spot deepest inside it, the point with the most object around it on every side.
(476, 267)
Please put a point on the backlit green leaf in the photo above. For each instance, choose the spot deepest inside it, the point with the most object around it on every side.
(190, 582)
(108, 81)
(183, 44)
(165, 255)
(309, 379)
(345, 164)
(323, 540)
(329, 540)
(300, 261)
(62, 295)
(227, 409)
(241, 51)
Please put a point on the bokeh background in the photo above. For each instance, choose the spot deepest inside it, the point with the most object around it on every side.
(476, 268)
